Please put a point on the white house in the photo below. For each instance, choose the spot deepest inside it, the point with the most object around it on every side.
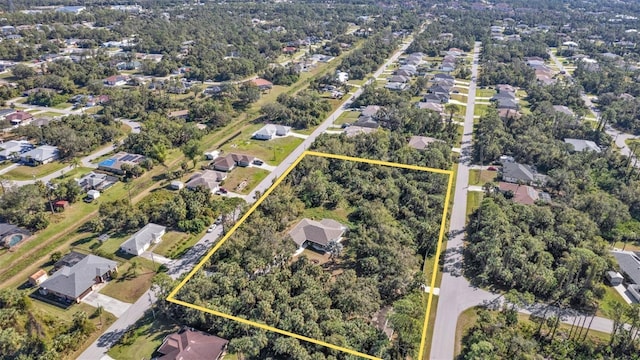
(140, 241)
(270, 131)
(342, 76)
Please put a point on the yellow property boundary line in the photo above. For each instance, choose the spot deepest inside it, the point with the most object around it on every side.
(171, 297)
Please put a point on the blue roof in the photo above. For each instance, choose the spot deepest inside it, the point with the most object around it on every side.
(108, 162)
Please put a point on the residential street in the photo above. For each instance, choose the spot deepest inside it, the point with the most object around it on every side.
(99, 348)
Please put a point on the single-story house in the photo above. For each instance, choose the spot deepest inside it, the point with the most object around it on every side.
(208, 179)
(614, 278)
(396, 86)
(504, 96)
(439, 108)
(11, 150)
(19, 117)
(41, 155)
(409, 68)
(342, 77)
(509, 114)
(96, 181)
(443, 77)
(630, 267)
(522, 194)
(563, 109)
(438, 89)
(369, 111)
(421, 142)
(93, 194)
(141, 240)
(230, 161)
(507, 104)
(192, 345)
(116, 80)
(269, 131)
(38, 277)
(6, 112)
(505, 88)
(114, 163)
(12, 235)
(355, 130)
(514, 172)
(438, 98)
(399, 79)
(213, 90)
(76, 282)
(262, 84)
(403, 73)
(448, 66)
(317, 233)
(580, 145)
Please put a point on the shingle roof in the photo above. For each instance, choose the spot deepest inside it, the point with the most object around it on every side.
(191, 345)
(144, 237)
(421, 142)
(583, 145)
(320, 233)
(208, 178)
(629, 264)
(75, 280)
(517, 171)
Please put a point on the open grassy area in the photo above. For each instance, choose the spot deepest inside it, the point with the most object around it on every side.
(63, 105)
(272, 151)
(465, 322)
(173, 242)
(50, 114)
(339, 214)
(347, 117)
(29, 172)
(479, 178)
(611, 300)
(243, 180)
(480, 109)
(474, 198)
(485, 92)
(144, 338)
(130, 284)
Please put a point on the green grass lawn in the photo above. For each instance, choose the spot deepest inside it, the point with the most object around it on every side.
(129, 286)
(272, 151)
(250, 175)
(145, 336)
(48, 114)
(485, 92)
(474, 198)
(480, 109)
(611, 300)
(459, 97)
(29, 172)
(347, 117)
(63, 105)
(479, 178)
(340, 214)
(172, 242)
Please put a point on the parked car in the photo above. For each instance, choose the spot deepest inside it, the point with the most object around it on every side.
(211, 228)
(492, 168)
(223, 190)
(258, 162)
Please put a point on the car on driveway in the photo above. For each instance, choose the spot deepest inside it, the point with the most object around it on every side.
(258, 162)
(223, 191)
(492, 168)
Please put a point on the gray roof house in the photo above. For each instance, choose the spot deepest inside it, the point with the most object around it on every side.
(317, 233)
(269, 131)
(507, 104)
(41, 155)
(421, 142)
(582, 145)
(629, 265)
(140, 241)
(11, 149)
(96, 181)
(563, 109)
(396, 86)
(76, 282)
(208, 179)
(370, 111)
(519, 173)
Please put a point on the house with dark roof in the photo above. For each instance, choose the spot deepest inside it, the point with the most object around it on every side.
(438, 98)
(96, 181)
(230, 161)
(317, 234)
(503, 103)
(19, 117)
(41, 155)
(629, 263)
(141, 240)
(192, 345)
(72, 284)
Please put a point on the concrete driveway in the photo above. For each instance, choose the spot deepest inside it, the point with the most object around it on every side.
(114, 306)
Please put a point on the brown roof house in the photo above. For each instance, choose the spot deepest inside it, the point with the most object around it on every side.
(318, 234)
(421, 142)
(208, 179)
(192, 345)
(227, 163)
(262, 84)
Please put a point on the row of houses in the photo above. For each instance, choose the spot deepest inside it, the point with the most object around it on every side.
(27, 153)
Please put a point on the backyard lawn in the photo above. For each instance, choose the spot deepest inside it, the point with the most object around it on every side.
(480, 109)
(29, 172)
(347, 117)
(485, 92)
(474, 198)
(272, 151)
(243, 179)
(612, 299)
(171, 242)
(339, 214)
(130, 284)
(479, 178)
(145, 338)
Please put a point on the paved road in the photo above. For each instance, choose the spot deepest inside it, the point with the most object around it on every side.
(328, 123)
(85, 161)
(99, 348)
(456, 294)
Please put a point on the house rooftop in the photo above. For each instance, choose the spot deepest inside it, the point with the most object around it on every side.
(208, 178)
(191, 345)
(629, 264)
(75, 280)
(318, 232)
(583, 145)
(144, 236)
(421, 142)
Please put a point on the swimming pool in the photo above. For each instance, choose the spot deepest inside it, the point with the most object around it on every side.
(14, 240)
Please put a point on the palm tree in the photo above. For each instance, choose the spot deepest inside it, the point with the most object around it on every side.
(452, 109)
(75, 162)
